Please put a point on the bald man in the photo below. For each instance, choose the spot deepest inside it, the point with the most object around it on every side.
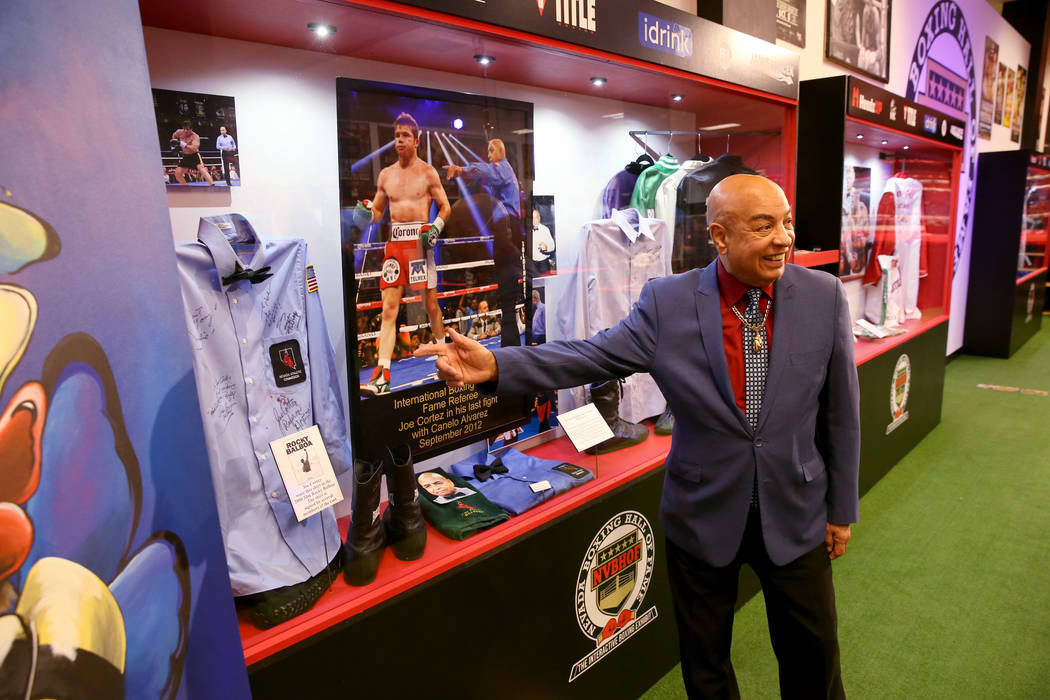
(755, 358)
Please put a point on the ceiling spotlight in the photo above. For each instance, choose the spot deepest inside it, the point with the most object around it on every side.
(598, 82)
(860, 136)
(907, 147)
(677, 98)
(457, 123)
(483, 59)
(321, 30)
(884, 142)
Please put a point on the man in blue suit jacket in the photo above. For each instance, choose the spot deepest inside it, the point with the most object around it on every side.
(779, 495)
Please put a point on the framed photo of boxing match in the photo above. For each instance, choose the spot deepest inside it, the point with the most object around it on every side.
(197, 134)
(857, 36)
(434, 187)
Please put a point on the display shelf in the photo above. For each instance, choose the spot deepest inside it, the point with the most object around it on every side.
(815, 258)
(867, 349)
(343, 601)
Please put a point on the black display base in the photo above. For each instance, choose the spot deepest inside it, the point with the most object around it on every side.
(879, 380)
(1027, 316)
(503, 625)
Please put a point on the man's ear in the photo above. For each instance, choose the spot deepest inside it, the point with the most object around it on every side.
(719, 235)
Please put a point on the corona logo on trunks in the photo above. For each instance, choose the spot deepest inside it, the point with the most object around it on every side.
(391, 270)
(610, 589)
(900, 385)
(404, 232)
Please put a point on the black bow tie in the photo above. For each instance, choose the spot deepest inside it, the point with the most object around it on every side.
(484, 472)
(247, 273)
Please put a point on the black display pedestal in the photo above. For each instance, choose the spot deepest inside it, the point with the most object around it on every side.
(901, 392)
(503, 625)
(1003, 309)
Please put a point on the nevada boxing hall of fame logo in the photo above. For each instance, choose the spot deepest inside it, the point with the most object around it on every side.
(900, 385)
(611, 587)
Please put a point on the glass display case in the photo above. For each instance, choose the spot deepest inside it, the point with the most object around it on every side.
(897, 172)
(1007, 287)
(878, 183)
(567, 167)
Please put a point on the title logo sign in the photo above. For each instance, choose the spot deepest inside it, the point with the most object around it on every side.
(580, 14)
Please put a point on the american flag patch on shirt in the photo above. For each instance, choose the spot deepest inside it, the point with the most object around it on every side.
(311, 279)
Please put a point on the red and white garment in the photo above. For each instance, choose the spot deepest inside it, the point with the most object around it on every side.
(898, 232)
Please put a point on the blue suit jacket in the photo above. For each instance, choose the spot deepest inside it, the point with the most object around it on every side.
(806, 447)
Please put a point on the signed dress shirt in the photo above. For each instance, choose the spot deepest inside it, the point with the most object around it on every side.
(265, 368)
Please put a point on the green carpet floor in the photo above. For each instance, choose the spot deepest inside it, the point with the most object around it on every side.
(945, 590)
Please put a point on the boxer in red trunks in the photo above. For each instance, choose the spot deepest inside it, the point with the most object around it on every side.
(407, 187)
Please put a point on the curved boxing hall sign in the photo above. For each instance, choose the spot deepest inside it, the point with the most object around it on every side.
(946, 19)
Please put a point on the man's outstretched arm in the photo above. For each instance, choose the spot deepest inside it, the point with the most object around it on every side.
(463, 361)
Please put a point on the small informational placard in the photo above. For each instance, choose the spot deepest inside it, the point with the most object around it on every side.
(306, 471)
(540, 486)
(585, 426)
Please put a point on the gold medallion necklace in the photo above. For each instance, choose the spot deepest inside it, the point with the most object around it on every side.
(757, 330)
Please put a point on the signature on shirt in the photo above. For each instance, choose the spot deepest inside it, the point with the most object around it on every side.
(202, 324)
(225, 398)
(290, 416)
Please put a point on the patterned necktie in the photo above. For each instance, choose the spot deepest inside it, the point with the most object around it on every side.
(755, 363)
(755, 360)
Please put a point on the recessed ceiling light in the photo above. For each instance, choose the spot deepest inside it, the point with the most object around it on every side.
(717, 127)
(320, 29)
(860, 136)
(483, 59)
(598, 82)
(457, 123)
(884, 142)
(907, 147)
(677, 98)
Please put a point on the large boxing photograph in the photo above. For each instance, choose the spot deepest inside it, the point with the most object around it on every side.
(434, 191)
(198, 138)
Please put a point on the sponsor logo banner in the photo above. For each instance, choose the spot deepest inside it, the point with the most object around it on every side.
(671, 38)
(662, 35)
(876, 105)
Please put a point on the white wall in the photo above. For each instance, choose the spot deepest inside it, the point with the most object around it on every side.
(686, 5)
(907, 22)
(286, 128)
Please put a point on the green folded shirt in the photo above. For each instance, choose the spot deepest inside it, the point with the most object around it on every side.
(453, 507)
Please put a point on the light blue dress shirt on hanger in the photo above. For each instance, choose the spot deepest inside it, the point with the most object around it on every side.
(265, 368)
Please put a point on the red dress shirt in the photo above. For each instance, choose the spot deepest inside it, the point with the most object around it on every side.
(734, 292)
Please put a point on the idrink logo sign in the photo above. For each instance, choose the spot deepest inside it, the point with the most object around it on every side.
(669, 37)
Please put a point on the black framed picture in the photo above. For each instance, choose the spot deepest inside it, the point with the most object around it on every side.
(857, 36)
(434, 189)
(197, 134)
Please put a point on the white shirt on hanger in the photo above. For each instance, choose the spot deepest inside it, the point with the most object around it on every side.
(617, 257)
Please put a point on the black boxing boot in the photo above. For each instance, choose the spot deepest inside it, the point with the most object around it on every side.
(606, 397)
(665, 423)
(406, 531)
(367, 538)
